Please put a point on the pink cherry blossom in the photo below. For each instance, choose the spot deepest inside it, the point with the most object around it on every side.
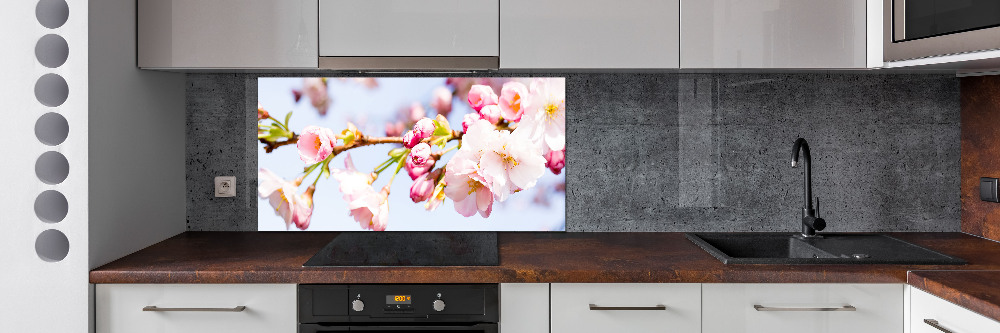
(420, 154)
(410, 139)
(303, 208)
(315, 144)
(469, 119)
(353, 184)
(441, 100)
(510, 163)
(424, 128)
(315, 88)
(415, 170)
(371, 209)
(465, 187)
(481, 95)
(555, 160)
(394, 129)
(514, 98)
(491, 113)
(280, 194)
(416, 112)
(423, 187)
(261, 113)
(545, 121)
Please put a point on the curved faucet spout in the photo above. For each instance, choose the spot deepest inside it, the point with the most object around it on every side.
(810, 222)
(803, 146)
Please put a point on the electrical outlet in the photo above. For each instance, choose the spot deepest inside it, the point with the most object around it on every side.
(225, 186)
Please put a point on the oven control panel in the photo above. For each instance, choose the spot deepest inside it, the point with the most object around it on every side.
(398, 303)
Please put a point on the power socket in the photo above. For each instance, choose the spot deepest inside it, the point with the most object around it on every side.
(225, 186)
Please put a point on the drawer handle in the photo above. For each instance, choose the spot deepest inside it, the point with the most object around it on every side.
(935, 324)
(233, 309)
(759, 307)
(627, 308)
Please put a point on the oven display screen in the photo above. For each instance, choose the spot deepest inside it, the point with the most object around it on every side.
(397, 299)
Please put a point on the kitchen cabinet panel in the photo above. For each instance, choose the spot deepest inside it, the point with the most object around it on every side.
(626, 307)
(524, 308)
(227, 34)
(589, 34)
(947, 315)
(731, 308)
(269, 308)
(403, 28)
(774, 34)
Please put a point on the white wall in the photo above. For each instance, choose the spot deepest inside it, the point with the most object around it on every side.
(36, 295)
(137, 184)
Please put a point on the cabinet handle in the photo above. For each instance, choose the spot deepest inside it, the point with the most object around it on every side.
(233, 309)
(628, 308)
(935, 324)
(759, 307)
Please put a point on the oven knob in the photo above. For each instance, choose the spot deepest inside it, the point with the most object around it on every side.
(438, 305)
(358, 305)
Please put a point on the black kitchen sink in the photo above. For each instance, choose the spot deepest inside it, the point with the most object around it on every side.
(792, 249)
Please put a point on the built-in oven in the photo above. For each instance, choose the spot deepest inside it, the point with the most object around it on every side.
(465, 308)
(927, 28)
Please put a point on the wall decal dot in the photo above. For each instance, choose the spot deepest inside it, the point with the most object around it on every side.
(51, 206)
(51, 90)
(52, 13)
(52, 168)
(51, 51)
(51, 128)
(52, 245)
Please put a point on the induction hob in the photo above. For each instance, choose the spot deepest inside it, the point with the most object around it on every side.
(449, 248)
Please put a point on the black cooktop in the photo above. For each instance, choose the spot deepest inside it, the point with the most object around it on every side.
(409, 249)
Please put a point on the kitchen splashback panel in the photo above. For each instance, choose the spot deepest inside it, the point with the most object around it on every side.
(682, 152)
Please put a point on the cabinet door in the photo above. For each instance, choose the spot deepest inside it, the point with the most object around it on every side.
(589, 34)
(951, 317)
(773, 34)
(227, 34)
(268, 308)
(524, 308)
(802, 308)
(626, 307)
(406, 28)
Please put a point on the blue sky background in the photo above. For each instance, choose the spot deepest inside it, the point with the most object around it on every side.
(370, 109)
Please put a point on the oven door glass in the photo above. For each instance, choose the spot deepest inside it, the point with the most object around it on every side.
(929, 18)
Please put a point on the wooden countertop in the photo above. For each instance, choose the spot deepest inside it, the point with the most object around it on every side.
(277, 257)
(978, 291)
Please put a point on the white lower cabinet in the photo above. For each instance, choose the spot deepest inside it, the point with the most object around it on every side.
(930, 314)
(196, 308)
(626, 307)
(524, 308)
(802, 308)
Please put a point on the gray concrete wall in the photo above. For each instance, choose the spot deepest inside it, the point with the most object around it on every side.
(683, 152)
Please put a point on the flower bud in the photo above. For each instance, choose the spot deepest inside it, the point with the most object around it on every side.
(441, 100)
(423, 187)
(417, 111)
(420, 154)
(410, 139)
(468, 120)
(424, 128)
(482, 95)
(491, 113)
(555, 160)
(417, 170)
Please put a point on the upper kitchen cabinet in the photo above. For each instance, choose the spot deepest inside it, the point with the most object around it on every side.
(589, 34)
(220, 34)
(405, 34)
(780, 34)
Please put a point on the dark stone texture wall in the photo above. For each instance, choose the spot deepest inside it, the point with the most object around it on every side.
(684, 152)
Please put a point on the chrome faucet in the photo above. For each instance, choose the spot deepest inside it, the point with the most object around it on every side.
(810, 221)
